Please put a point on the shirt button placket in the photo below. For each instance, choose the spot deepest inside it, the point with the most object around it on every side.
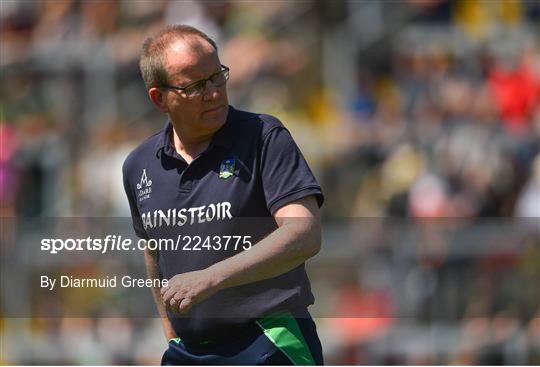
(185, 181)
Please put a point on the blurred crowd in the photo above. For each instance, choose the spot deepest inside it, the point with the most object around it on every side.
(445, 125)
(404, 109)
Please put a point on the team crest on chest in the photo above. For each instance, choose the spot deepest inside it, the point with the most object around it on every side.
(144, 187)
(226, 169)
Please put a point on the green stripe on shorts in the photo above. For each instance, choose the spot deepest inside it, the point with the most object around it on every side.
(283, 330)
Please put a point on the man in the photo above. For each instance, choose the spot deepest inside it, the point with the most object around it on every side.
(234, 193)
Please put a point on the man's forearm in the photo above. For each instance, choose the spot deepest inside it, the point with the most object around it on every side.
(284, 249)
(152, 271)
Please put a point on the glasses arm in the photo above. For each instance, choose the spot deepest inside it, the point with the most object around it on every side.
(167, 86)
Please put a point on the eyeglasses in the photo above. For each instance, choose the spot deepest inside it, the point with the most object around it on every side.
(197, 88)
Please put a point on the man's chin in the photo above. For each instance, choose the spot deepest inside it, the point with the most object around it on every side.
(215, 118)
(217, 112)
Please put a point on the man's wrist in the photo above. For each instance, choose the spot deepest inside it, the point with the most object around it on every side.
(218, 279)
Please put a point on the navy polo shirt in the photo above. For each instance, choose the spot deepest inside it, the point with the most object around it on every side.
(229, 193)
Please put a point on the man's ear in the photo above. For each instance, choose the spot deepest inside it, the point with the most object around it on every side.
(158, 98)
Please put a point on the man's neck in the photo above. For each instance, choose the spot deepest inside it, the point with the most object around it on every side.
(189, 147)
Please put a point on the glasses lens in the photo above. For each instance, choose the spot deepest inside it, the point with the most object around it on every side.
(220, 78)
(195, 89)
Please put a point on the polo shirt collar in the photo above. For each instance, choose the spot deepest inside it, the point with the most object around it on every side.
(224, 137)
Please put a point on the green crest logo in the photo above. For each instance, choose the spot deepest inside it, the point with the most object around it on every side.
(226, 169)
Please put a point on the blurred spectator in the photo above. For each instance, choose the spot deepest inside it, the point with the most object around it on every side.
(515, 85)
(528, 203)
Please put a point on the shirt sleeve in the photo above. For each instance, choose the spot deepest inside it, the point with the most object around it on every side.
(135, 216)
(286, 176)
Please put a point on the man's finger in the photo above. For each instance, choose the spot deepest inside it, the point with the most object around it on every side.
(185, 305)
(168, 294)
(173, 303)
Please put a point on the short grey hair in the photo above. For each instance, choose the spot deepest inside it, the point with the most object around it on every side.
(151, 62)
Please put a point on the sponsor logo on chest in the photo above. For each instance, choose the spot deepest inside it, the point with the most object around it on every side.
(144, 187)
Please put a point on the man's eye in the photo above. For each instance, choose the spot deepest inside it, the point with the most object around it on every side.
(196, 87)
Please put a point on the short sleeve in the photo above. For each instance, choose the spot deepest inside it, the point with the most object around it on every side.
(135, 216)
(286, 176)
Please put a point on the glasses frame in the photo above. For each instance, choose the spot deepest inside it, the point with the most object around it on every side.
(224, 70)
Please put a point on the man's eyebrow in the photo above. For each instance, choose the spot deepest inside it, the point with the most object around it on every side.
(194, 80)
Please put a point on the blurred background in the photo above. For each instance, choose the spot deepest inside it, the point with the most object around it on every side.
(405, 110)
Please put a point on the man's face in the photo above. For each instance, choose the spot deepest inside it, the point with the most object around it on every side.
(188, 61)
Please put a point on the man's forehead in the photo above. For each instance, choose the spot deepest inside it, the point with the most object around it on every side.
(190, 55)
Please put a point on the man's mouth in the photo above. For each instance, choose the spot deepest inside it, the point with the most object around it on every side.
(214, 109)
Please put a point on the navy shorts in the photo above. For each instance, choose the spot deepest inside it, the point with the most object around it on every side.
(280, 339)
